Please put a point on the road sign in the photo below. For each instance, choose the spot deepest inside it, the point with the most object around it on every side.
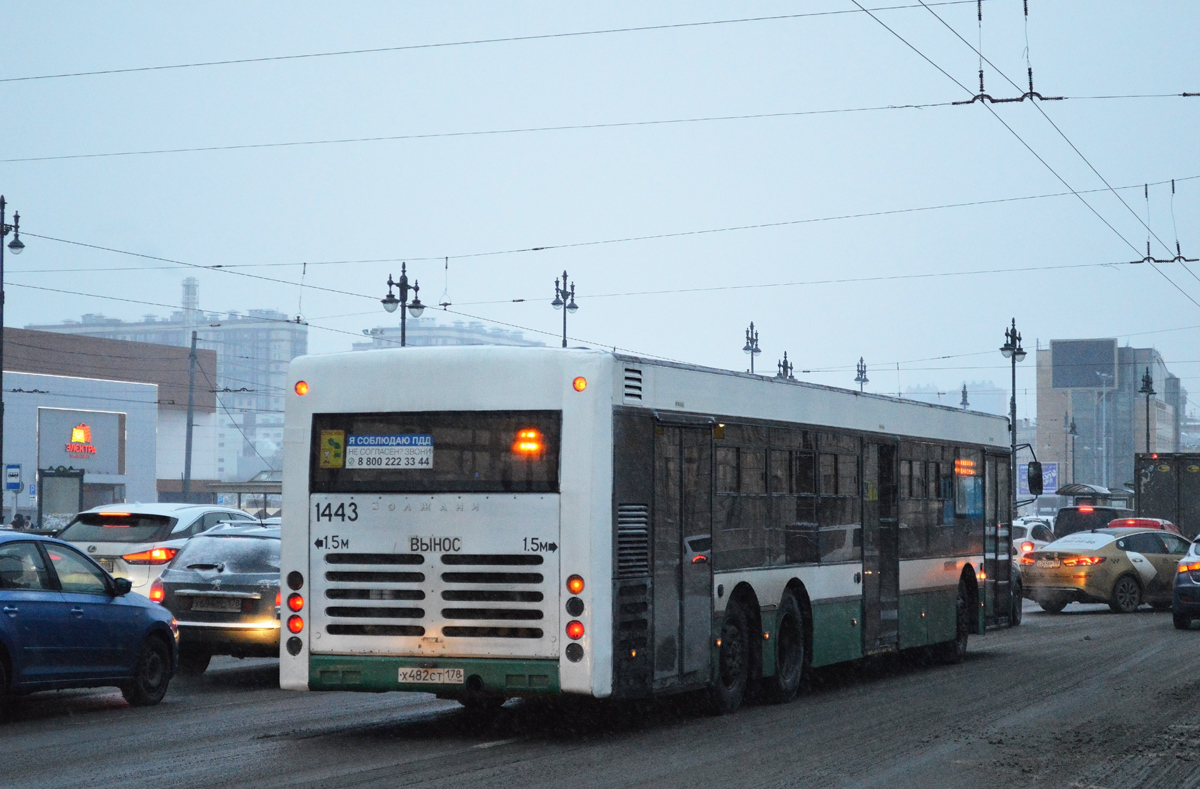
(12, 476)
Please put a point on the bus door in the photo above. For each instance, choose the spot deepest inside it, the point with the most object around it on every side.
(997, 540)
(881, 548)
(682, 537)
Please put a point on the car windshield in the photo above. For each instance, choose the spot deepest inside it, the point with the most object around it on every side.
(1086, 518)
(117, 527)
(232, 553)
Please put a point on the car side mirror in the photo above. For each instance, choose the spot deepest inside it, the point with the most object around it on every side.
(122, 587)
(1035, 478)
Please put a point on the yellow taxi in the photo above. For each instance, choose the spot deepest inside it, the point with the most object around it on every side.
(1124, 567)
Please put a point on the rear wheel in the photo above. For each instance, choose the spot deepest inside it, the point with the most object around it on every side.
(1018, 605)
(151, 674)
(1053, 606)
(733, 669)
(1182, 621)
(954, 651)
(193, 663)
(1126, 595)
(790, 652)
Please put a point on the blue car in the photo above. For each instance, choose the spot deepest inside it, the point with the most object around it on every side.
(66, 623)
(1185, 603)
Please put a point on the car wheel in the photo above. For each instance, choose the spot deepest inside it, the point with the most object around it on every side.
(1018, 605)
(954, 651)
(151, 674)
(733, 668)
(791, 655)
(1126, 595)
(193, 664)
(1053, 606)
(1182, 621)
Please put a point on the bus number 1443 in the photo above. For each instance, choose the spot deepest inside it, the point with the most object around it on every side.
(343, 512)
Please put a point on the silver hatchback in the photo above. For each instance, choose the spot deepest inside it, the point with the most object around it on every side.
(137, 541)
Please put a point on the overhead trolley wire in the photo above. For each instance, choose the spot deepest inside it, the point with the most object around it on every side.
(462, 43)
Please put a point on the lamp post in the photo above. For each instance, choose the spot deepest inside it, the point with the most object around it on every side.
(1073, 432)
(16, 246)
(751, 346)
(965, 404)
(1012, 350)
(564, 298)
(1148, 390)
(785, 369)
(1104, 379)
(390, 302)
(861, 379)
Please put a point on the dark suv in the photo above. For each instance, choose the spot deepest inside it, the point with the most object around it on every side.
(1085, 517)
(223, 588)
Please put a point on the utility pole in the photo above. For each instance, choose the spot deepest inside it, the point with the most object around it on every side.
(187, 451)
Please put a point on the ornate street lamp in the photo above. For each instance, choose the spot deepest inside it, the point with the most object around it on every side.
(16, 247)
(751, 346)
(785, 369)
(965, 404)
(861, 379)
(564, 298)
(390, 302)
(1012, 350)
(1148, 390)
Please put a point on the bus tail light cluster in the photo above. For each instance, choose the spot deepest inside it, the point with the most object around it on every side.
(295, 623)
(575, 584)
(574, 630)
(152, 556)
(295, 602)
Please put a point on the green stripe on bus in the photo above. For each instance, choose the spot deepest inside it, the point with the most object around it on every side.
(837, 631)
(375, 673)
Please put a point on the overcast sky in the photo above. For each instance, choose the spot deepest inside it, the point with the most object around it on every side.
(898, 288)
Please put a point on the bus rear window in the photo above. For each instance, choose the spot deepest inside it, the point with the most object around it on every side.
(436, 452)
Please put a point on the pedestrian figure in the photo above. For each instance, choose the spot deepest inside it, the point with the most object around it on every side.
(18, 522)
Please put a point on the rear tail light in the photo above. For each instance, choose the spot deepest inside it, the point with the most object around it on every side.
(1026, 547)
(1187, 568)
(575, 630)
(1082, 561)
(152, 556)
(156, 591)
(295, 624)
(575, 584)
(1026, 560)
(295, 602)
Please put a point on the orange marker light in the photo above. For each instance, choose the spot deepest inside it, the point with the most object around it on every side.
(575, 630)
(575, 584)
(301, 388)
(295, 602)
(579, 383)
(528, 442)
(295, 624)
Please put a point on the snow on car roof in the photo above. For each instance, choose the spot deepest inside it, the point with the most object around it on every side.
(1082, 539)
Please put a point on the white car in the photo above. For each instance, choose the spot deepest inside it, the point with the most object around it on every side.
(1030, 534)
(137, 541)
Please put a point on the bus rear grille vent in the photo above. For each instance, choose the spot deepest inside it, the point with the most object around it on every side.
(633, 540)
(633, 383)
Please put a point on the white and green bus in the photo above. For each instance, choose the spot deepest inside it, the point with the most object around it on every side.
(486, 523)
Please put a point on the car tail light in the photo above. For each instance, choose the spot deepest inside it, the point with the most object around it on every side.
(295, 624)
(575, 630)
(1026, 560)
(1087, 509)
(1026, 547)
(278, 598)
(295, 602)
(156, 591)
(1187, 568)
(575, 584)
(152, 556)
(1082, 561)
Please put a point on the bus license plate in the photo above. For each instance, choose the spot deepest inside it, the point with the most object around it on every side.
(217, 605)
(1050, 564)
(431, 676)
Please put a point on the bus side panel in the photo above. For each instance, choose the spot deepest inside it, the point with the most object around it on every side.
(633, 498)
(836, 633)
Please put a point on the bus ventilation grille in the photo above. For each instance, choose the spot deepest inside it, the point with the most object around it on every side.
(633, 540)
(633, 383)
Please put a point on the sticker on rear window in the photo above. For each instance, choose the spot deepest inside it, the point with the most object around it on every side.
(412, 451)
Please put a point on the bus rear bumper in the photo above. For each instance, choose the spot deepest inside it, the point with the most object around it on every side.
(495, 677)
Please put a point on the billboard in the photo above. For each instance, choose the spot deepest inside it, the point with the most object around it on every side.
(1049, 479)
(1083, 364)
(93, 441)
